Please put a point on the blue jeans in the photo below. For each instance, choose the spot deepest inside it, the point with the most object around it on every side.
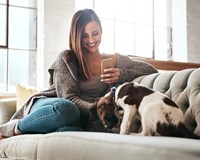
(50, 115)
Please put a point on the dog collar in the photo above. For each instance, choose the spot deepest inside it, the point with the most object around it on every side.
(113, 89)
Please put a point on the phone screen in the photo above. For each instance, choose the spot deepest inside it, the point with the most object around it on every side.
(106, 63)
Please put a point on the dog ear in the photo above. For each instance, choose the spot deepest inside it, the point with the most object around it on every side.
(130, 100)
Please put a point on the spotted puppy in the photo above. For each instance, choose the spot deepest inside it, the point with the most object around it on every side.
(159, 114)
(107, 113)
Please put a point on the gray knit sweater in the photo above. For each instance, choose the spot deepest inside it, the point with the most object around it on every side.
(64, 80)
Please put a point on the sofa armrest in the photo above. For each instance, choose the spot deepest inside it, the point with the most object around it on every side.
(7, 109)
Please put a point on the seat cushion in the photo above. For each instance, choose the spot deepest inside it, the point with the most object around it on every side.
(98, 146)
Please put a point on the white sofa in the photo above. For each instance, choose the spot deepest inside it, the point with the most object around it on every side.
(182, 86)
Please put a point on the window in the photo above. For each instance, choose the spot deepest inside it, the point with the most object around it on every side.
(18, 48)
(137, 27)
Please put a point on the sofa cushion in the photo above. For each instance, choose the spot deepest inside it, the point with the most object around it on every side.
(98, 146)
(7, 109)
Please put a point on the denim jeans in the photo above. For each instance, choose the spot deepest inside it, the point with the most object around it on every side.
(50, 115)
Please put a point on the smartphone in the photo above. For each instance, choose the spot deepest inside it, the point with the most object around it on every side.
(106, 63)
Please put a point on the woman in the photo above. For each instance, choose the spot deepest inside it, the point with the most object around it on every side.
(76, 83)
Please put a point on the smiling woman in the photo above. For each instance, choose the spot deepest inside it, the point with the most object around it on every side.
(91, 37)
(75, 84)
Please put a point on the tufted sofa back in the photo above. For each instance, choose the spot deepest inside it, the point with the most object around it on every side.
(183, 87)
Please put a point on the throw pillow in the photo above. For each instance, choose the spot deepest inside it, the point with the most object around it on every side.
(23, 93)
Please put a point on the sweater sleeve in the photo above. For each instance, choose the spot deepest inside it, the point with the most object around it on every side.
(65, 79)
(130, 69)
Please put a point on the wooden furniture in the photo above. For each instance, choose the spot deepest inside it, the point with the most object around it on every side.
(167, 65)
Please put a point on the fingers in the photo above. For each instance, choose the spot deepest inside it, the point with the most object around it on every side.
(103, 100)
(110, 75)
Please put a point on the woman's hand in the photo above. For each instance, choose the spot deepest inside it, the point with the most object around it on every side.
(110, 75)
(104, 100)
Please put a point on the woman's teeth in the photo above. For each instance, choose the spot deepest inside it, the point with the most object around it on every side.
(91, 44)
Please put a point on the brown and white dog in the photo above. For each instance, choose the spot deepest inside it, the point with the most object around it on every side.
(158, 114)
(111, 116)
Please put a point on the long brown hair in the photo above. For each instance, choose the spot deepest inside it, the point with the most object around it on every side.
(79, 20)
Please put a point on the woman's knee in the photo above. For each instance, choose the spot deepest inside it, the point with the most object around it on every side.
(67, 111)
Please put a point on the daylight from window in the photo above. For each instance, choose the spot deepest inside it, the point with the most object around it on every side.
(130, 27)
(145, 28)
(17, 44)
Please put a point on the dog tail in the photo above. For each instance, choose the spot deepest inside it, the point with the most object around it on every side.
(175, 131)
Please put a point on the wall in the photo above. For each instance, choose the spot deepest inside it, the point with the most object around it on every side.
(54, 18)
(193, 30)
(186, 32)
